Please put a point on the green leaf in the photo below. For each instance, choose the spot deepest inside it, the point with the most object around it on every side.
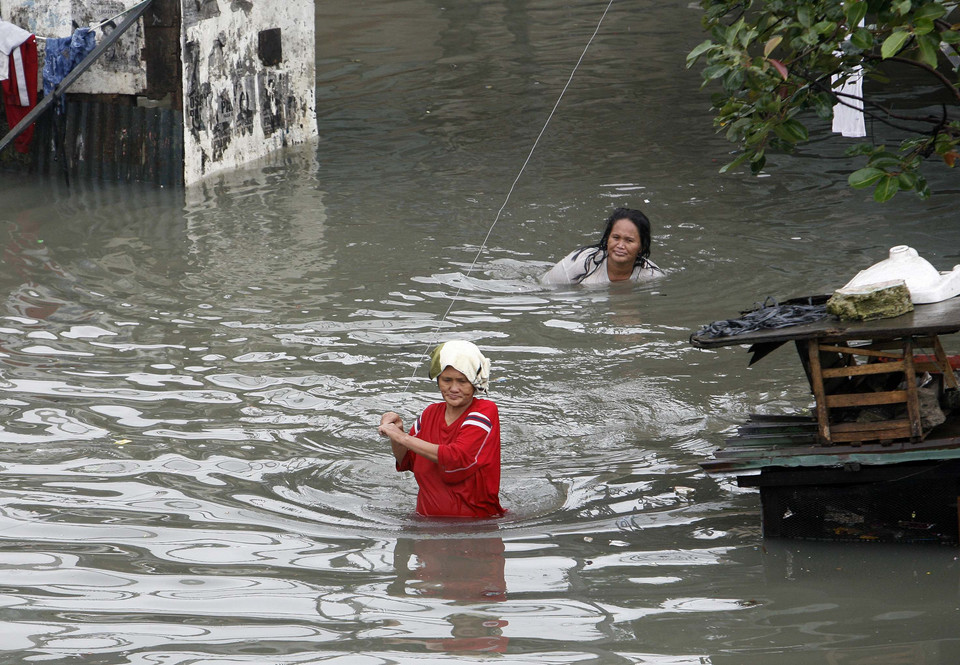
(791, 131)
(715, 71)
(824, 28)
(699, 50)
(923, 26)
(892, 44)
(950, 36)
(862, 39)
(864, 177)
(903, 7)
(735, 163)
(771, 44)
(930, 11)
(803, 16)
(854, 12)
(883, 160)
(886, 188)
(928, 50)
(907, 180)
(859, 149)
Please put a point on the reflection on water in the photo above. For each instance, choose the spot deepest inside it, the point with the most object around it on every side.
(190, 381)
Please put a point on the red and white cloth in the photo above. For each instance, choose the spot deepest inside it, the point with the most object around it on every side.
(18, 74)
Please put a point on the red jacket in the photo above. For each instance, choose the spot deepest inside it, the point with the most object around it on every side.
(465, 481)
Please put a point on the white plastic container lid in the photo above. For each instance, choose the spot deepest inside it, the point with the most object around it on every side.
(925, 283)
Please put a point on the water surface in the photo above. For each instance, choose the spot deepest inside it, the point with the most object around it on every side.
(190, 381)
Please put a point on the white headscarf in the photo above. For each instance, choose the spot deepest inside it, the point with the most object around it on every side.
(464, 357)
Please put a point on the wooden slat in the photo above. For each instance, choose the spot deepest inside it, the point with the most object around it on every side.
(913, 402)
(819, 394)
(949, 378)
(780, 417)
(866, 399)
(860, 370)
(888, 430)
(767, 428)
(860, 351)
(879, 426)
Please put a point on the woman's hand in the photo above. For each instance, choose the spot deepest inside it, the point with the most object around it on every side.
(391, 426)
(390, 418)
(391, 430)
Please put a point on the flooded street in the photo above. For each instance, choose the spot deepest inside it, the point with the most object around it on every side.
(191, 381)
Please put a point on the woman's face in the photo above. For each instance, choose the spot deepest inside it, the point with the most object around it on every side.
(455, 387)
(623, 244)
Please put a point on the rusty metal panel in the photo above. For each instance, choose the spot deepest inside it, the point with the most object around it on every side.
(102, 140)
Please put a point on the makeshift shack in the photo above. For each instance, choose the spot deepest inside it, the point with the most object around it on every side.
(877, 457)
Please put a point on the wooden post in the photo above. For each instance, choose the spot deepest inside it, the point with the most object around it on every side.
(910, 379)
(949, 378)
(819, 394)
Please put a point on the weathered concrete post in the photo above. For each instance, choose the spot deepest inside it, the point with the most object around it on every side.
(248, 80)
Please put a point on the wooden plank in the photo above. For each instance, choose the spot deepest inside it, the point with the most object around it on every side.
(862, 370)
(166, 139)
(949, 378)
(769, 440)
(913, 401)
(123, 142)
(929, 319)
(95, 151)
(109, 142)
(860, 351)
(780, 417)
(70, 138)
(774, 428)
(83, 140)
(886, 435)
(819, 395)
(135, 156)
(867, 399)
(832, 456)
(888, 430)
(879, 426)
(150, 143)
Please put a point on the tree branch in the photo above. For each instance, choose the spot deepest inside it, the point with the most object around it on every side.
(947, 83)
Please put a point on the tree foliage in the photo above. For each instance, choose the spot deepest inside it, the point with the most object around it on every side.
(779, 62)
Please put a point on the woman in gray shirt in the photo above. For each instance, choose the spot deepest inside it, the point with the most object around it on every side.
(622, 254)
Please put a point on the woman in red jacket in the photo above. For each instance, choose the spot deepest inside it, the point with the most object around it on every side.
(454, 447)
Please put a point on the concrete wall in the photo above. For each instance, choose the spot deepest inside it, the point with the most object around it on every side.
(243, 71)
(248, 80)
(119, 71)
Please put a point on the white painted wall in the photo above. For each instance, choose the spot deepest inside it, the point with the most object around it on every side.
(236, 108)
(118, 71)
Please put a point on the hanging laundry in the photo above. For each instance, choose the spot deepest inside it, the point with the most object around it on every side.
(848, 111)
(62, 55)
(11, 36)
(20, 89)
(848, 116)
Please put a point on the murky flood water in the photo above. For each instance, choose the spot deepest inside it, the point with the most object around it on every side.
(190, 382)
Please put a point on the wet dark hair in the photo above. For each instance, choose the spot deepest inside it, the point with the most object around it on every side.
(594, 259)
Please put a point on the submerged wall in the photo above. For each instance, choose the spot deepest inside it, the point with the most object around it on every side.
(248, 80)
(240, 73)
(119, 71)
